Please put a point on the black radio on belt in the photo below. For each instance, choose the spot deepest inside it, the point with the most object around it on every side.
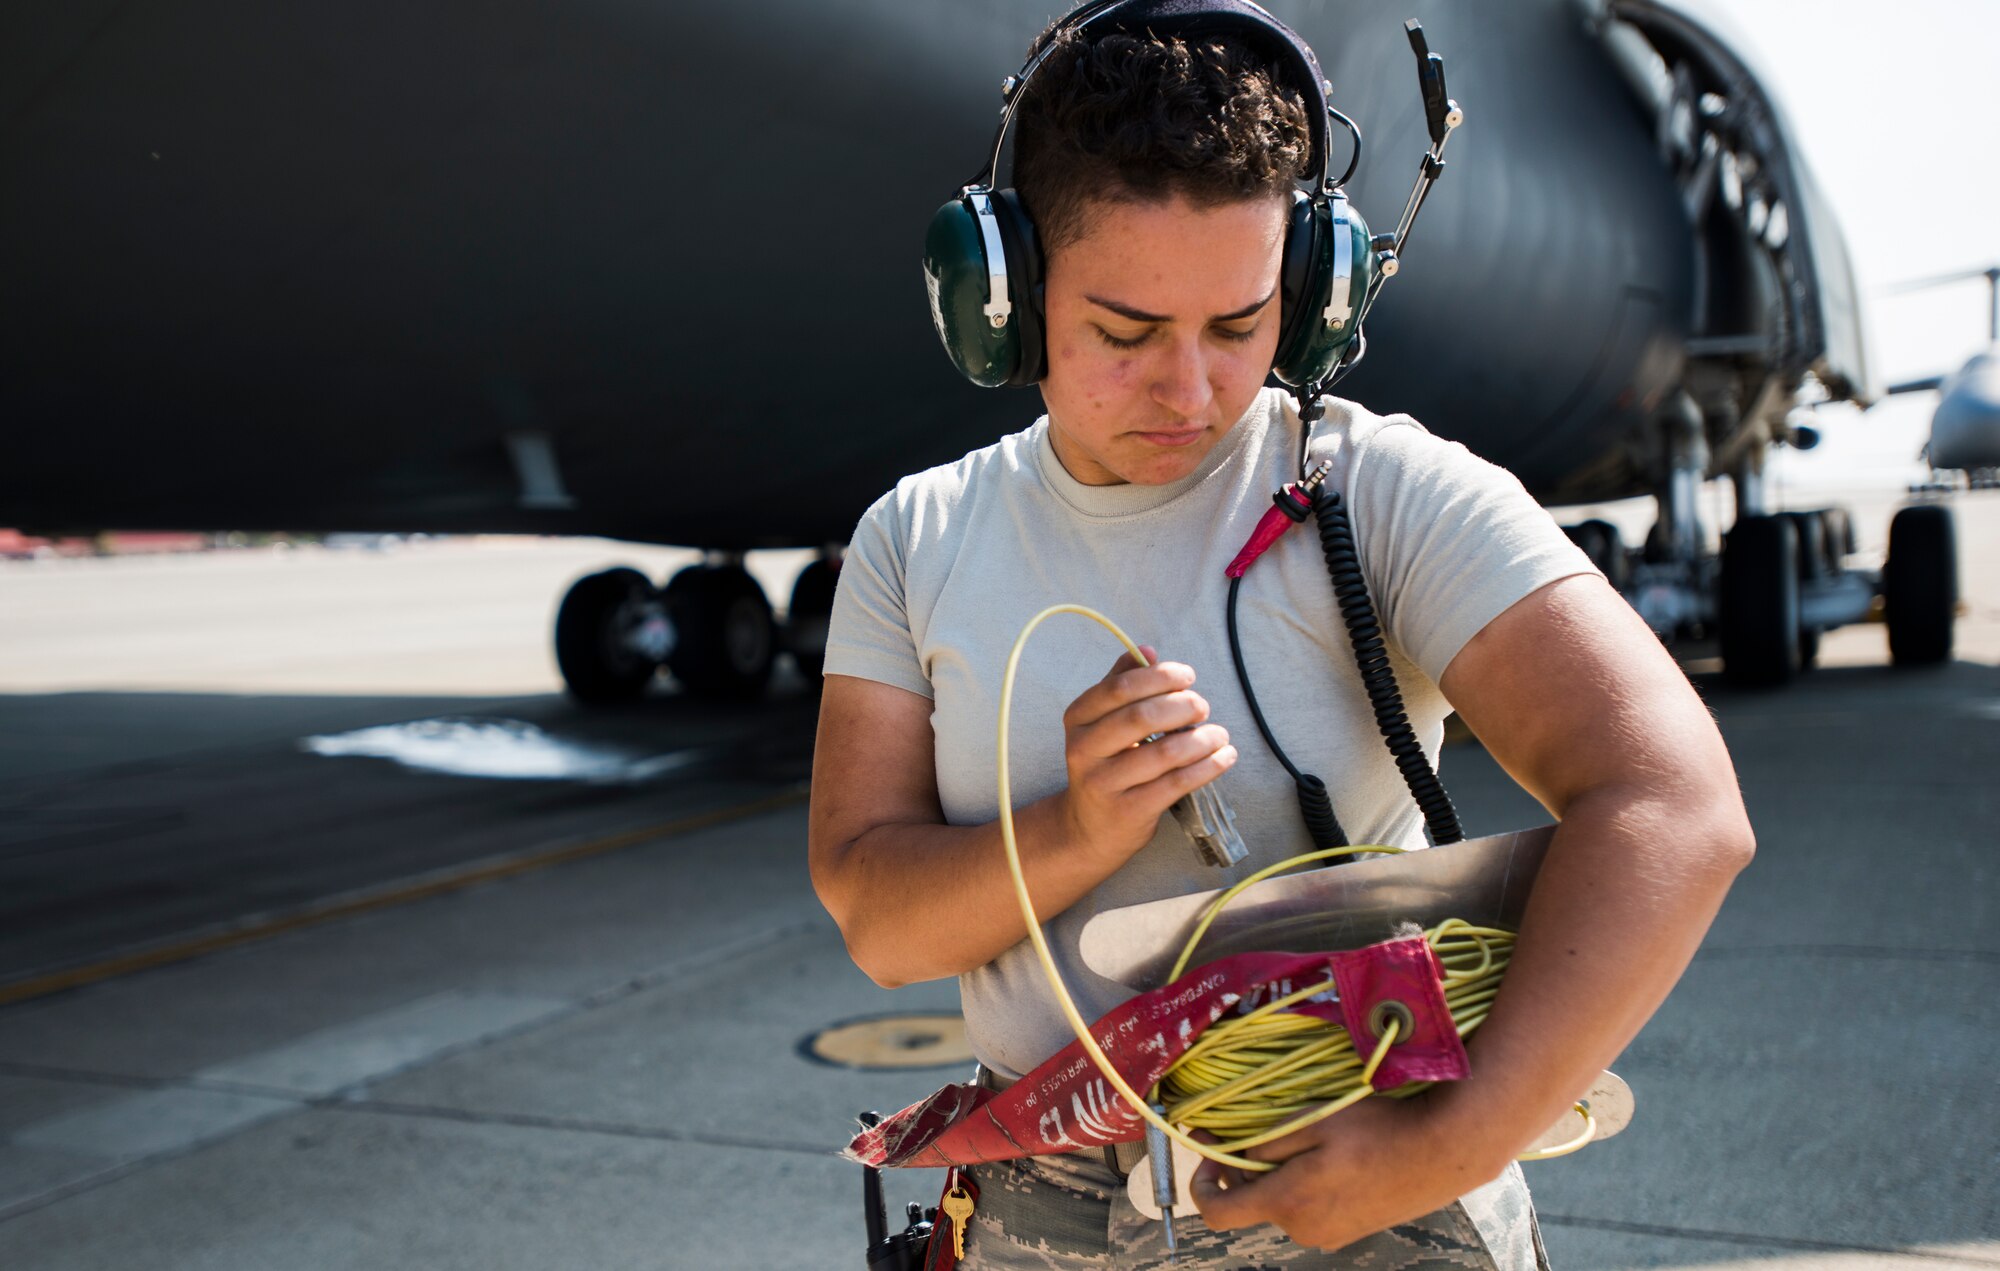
(903, 1251)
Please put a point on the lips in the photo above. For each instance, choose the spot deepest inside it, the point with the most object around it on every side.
(1178, 437)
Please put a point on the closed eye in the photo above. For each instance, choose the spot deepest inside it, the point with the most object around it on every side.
(1117, 343)
(1133, 342)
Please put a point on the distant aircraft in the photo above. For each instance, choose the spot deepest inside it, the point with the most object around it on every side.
(1965, 428)
(651, 272)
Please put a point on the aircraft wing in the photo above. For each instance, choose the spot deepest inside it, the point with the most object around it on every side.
(1924, 385)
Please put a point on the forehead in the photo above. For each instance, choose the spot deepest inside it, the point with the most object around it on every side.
(1171, 256)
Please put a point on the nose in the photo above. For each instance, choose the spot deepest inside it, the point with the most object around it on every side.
(1180, 378)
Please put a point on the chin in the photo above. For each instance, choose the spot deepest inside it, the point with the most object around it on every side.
(1164, 469)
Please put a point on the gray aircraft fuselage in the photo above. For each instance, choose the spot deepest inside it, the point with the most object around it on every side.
(343, 266)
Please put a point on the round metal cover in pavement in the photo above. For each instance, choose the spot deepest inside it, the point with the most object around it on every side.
(929, 1040)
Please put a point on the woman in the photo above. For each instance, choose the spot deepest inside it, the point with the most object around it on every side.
(1159, 171)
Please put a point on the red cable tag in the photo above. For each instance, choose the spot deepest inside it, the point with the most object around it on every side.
(1067, 1104)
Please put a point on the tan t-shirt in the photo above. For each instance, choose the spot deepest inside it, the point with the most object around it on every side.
(945, 569)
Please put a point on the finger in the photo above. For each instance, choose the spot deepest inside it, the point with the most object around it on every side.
(1163, 716)
(1124, 687)
(1244, 1202)
(1137, 766)
(1365, 1120)
(1163, 790)
(1224, 1176)
(1277, 1151)
(1115, 693)
(1126, 662)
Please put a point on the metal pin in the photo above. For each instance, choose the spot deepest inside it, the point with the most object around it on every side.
(1161, 1153)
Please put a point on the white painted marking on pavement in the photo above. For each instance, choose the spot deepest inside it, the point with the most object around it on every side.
(156, 1121)
(318, 1064)
(507, 749)
(334, 1058)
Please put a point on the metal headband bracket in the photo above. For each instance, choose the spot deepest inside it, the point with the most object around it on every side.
(1343, 263)
(997, 307)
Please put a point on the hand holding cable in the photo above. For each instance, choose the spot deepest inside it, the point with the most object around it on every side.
(1475, 969)
(1118, 788)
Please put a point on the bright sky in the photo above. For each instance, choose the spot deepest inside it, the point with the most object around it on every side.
(1892, 105)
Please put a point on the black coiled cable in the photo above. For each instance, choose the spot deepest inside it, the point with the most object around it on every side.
(1315, 806)
(1350, 589)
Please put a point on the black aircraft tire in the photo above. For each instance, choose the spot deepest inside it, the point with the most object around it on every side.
(1920, 585)
(807, 615)
(593, 651)
(1759, 602)
(1600, 540)
(725, 640)
(1809, 648)
(1810, 529)
(1816, 561)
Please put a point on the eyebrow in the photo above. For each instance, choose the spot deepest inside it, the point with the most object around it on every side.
(1140, 315)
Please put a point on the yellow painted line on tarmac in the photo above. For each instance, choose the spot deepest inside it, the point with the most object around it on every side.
(434, 884)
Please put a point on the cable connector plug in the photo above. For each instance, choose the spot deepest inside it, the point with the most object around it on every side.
(1206, 818)
(1294, 503)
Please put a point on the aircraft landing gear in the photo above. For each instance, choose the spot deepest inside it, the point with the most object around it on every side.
(807, 616)
(1920, 585)
(726, 637)
(611, 633)
(1601, 541)
(1758, 605)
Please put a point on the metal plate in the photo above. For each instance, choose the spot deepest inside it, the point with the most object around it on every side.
(1609, 1099)
(1139, 1184)
(1611, 1105)
(1484, 881)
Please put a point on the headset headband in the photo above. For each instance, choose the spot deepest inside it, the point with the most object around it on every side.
(1252, 22)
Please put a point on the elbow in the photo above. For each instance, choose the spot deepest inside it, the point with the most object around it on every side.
(1741, 848)
(876, 959)
(883, 977)
(865, 946)
(880, 946)
(1731, 842)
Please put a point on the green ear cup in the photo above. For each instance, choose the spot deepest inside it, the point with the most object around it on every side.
(1309, 347)
(955, 273)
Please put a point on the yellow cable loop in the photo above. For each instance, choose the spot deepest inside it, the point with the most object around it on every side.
(1257, 1077)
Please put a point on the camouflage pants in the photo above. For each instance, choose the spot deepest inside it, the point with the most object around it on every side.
(1054, 1213)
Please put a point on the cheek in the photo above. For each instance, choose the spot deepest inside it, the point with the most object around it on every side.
(1246, 362)
(1088, 374)
(1120, 373)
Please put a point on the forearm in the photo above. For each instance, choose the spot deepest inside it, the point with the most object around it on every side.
(923, 901)
(1628, 889)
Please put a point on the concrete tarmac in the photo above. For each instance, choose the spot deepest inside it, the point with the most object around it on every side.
(582, 1047)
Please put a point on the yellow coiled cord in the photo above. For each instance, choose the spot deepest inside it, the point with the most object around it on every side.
(1253, 1078)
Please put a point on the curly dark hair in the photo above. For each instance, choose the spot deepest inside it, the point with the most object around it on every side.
(1141, 118)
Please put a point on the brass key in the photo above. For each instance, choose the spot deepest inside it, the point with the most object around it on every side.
(957, 1206)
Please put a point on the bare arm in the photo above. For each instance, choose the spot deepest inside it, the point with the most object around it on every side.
(1608, 734)
(917, 899)
(1576, 699)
